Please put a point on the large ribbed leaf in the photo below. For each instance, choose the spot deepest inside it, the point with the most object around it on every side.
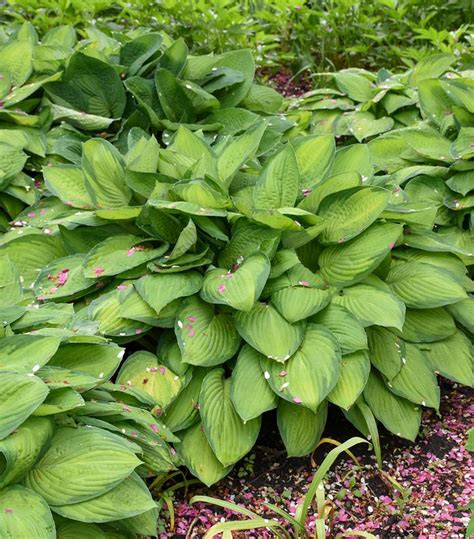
(70, 529)
(463, 312)
(300, 428)
(416, 380)
(161, 289)
(204, 337)
(347, 329)
(395, 413)
(351, 211)
(81, 464)
(301, 301)
(346, 264)
(355, 369)
(423, 286)
(59, 401)
(372, 305)
(197, 454)
(129, 498)
(22, 447)
(452, 357)
(67, 183)
(21, 394)
(229, 436)
(278, 185)
(144, 371)
(310, 373)
(26, 353)
(25, 514)
(387, 351)
(118, 254)
(250, 392)
(427, 325)
(268, 332)
(239, 289)
(314, 155)
(104, 174)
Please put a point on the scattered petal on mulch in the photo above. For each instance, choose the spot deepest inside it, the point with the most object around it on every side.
(435, 476)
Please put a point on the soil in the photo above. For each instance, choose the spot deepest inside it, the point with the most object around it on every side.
(285, 83)
(434, 476)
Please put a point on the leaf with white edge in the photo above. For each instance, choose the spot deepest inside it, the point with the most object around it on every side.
(355, 369)
(315, 156)
(144, 371)
(229, 436)
(423, 286)
(311, 372)
(351, 211)
(345, 264)
(21, 395)
(204, 337)
(129, 498)
(81, 464)
(68, 184)
(452, 358)
(240, 287)
(416, 380)
(23, 513)
(104, 174)
(397, 414)
(159, 290)
(26, 353)
(300, 428)
(268, 332)
(372, 306)
(250, 392)
(198, 456)
(278, 184)
(427, 325)
(22, 447)
(301, 301)
(347, 329)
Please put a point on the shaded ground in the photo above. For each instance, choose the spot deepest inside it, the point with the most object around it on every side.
(285, 83)
(435, 476)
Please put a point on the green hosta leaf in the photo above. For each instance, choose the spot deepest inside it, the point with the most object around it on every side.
(250, 392)
(21, 395)
(355, 369)
(461, 182)
(263, 99)
(300, 428)
(351, 211)
(315, 156)
(25, 514)
(387, 351)
(160, 290)
(12, 161)
(395, 413)
(463, 312)
(104, 174)
(204, 337)
(187, 238)
(229, 437)
(89, 85)
(198, 456)
(278, 184)
(118, 254)
(364, 125)
(431, 67)
(423, 286)
(427, 325)
(81, 464)
(144, 371)
(240, 288)
(69, 529)
(26, 353)
(299, 302)
(354, 158)
(129, 498)
(22, 447)
(311, 372)
(63, 278)
(59, 401)
(416, 380)
(346, 264)
(462, 147)
(355, 85)
(173, 99)
(371, 305)
(183, 411)
(347, 329)
(10, 285)
(67, 183)
(452, 357)
(268, 332)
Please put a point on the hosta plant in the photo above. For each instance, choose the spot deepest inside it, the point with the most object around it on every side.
(181, 254)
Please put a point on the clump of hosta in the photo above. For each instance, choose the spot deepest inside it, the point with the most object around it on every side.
(158, 204)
